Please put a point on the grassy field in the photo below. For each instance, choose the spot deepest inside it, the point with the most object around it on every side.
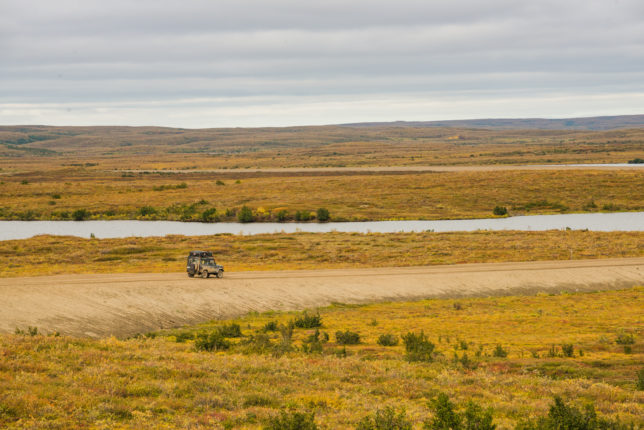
(45, 255)
(509, 353)
(25, 147)
(95, 194)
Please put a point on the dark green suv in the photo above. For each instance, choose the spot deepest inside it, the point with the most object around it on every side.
(202, 263)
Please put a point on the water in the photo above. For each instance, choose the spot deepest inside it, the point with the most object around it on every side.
(621, 221)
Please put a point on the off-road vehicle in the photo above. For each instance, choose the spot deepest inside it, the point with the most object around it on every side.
(202, 263)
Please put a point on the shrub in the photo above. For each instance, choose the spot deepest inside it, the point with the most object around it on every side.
(640, 380)
(386, 419)
(562, 416)
(209, 215)
(567, 349)
(282, 215)
(302, 216)
(500, 210)
(55, 196)
(418, 347)
(313, 344)
(211, 342)
(388, 340)
(270, 326)
(183, 336)
(245, 214)
(636, 161)
(80, 214)
(292, 421)
(323, 215)
(182, 185)
(230, 330)
(625, 339)
(147, 210)
(347, 338)
(260, 343)
(499, 352)
(446, 418)
(308, 321)
(219, 182)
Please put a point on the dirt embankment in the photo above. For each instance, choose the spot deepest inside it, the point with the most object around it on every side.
(124, 304)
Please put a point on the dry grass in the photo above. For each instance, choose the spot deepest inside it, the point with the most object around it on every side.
(44, 255)
(156, 382)
(57, 194)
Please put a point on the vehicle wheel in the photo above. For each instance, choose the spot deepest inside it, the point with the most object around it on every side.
(220, 274)
(205, 274)
(191, 276)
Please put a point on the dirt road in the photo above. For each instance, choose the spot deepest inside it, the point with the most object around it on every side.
(124, 304)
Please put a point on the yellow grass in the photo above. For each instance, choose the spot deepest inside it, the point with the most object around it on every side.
(57, 194)
(44, 255)
(154, 382)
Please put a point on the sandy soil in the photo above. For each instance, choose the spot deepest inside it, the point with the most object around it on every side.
(125, 304)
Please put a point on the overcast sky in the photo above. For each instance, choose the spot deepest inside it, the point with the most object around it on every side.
(215, 63)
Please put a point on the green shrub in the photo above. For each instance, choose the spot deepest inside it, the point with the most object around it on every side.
(388, 340)
(474, 417)
(312, 344)
(308, 321)
(80, 214)
(568, 349)
(445, 417)
(55, 196)
(292, 421)
(209, 215)
(500, 210)
(211, 342)
(347, 338)
(270, 326)
(260, 343)
(219, 182)
(302, 216)
(245, 214)
(147, 210)
(625, 339)
(499, 352)
(636, 161)
(282, 215)
(183, 336)
(640, 380)
(564, 417)
(230, 330)
(386, 419)
(323, 215)
(418, 347)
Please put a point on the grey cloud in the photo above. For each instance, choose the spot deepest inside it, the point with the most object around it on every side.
(123, 52)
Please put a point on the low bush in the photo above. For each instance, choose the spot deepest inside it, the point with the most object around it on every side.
(230, 330)
(323, 215)
(308, 321)
(292, 421)
(500, 210)
(347, 338)
(245, 214)
(209, 215)
(474, 417)
(270, 326)
(418, 347)
(388, 340)
(640, 380)
(211, 342)
(282, 215)
(80, 214)
(561, 416)
(302, 216)
(568, 349)
(147, 210)
(499, 352)
(386, 419)
(625, 339)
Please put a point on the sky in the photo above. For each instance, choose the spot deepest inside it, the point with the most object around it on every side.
(247, 63)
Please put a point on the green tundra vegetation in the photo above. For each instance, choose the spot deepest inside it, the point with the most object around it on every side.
(573, 361)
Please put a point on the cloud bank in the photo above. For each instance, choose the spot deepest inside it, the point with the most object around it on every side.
(253, 63)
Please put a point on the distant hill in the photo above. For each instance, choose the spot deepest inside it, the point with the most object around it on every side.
(589, 123)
